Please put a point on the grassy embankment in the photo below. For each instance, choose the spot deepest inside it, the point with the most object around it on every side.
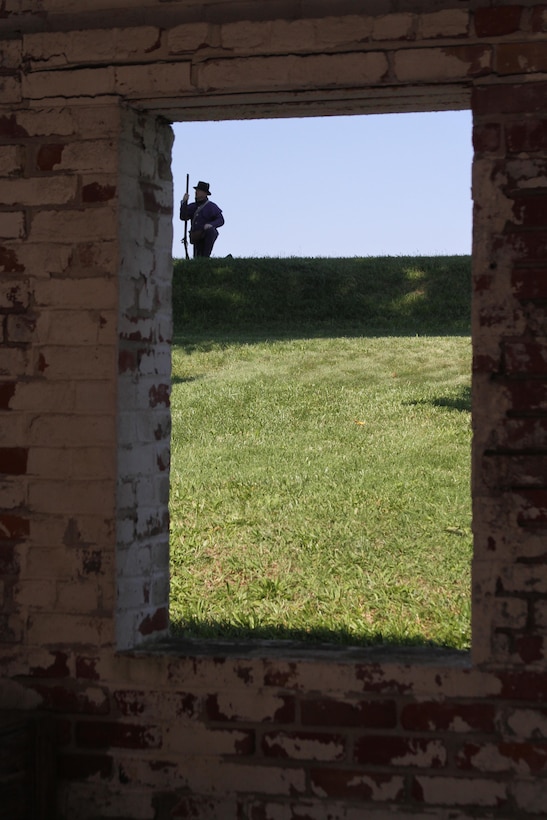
(321, 449)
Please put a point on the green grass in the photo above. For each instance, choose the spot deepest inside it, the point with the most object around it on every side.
(320, 481)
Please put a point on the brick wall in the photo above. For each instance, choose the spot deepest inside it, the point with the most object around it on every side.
(147, 729)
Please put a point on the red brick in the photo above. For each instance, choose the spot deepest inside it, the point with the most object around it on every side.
(7, 392)
(523, 685)
(487, 137)
(9, 563)
(49, 156)
(434, 716)
(105, 734)
(509, 99)
(9, 263)
(378, 750)
(10, 128)
(156, 622)
(94, 192)
(13, 460)
(529, 283)
(529, 648)
(533, 507)
(159, 394)
(87, 668)
(525, 358)
(505, 756)
(57, 669)
(521, 58)
(69, 700)
(526, 136)
(495, 22)
(377, 714)
(13, 527)
(531, 210)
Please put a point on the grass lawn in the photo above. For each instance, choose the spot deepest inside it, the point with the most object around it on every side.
(320, 487)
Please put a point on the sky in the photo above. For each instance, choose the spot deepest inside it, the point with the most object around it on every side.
(361, 185)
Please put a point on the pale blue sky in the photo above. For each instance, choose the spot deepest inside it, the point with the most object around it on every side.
(367, 185)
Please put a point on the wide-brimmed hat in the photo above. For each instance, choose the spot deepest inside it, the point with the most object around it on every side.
(202, 186)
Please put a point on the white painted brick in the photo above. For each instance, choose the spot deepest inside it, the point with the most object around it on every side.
(71, 327)
(246, 35)
(13, 362)
(188, 37)
(83, 82)
(50, 462)
(433, 64)
(12, 225)
(336, 32)
(99, 156)
(12, 493)
(95, 396)
(76, 362)
(57, 396)
(350, 70)
(39, 191)
(10, 90)
(158, 80)
(11, 161)
(81, 597)
(106, 45)
(46, 562)
(44, 259)
(36, 594)
(48, 628)
(71, 497)
(54, 430)
(393, 26)
(74, 225)
(446, 23)
(48, 122)
(11, 53)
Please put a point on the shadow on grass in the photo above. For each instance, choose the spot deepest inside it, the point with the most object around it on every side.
(210, 638)
(461, 402)
(282, 298)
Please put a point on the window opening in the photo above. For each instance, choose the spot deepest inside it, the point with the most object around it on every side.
(320, 459)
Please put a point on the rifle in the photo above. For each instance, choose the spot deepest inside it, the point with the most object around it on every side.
(185, 240)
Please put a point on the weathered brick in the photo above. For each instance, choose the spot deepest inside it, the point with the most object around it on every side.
(449, 63)
(435, 716)
(526, 758)
(521, 58)
(458, 791)
(269, 708)
(356, 784)
(304, 745)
